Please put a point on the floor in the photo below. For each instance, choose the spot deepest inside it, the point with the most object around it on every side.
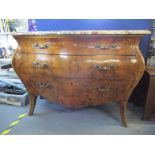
(54, 119)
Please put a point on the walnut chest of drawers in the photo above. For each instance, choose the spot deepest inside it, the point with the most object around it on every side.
(80, 68)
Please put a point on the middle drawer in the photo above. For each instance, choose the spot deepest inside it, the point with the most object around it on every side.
(68, 66)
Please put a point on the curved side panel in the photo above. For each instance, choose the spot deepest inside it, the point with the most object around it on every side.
(15, 65)
(141, 69)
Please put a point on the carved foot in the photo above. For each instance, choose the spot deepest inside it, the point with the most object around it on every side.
(123, 113)
(32, 100)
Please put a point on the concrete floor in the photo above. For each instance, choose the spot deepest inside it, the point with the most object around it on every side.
(54, 119)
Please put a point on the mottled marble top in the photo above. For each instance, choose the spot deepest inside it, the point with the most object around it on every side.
(83, 32)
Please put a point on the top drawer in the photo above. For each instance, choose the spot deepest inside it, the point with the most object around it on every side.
(79, 45)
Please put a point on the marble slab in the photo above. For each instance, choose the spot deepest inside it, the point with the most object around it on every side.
(84, 32)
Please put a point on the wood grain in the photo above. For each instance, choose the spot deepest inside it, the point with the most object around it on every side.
(80, 70)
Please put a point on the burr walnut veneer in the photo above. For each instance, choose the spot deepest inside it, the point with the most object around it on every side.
(80, 68)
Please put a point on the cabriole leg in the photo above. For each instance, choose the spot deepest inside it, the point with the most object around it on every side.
(32, 100)
(123, 113)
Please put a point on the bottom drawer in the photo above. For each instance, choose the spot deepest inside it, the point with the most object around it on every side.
(79, 92)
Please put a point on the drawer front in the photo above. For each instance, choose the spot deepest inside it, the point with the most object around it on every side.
(64, 66)
(81, 93)
(79, 45)
(78, 92)
(40, 85)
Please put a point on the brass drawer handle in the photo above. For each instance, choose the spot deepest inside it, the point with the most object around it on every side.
(109, 67)
(39, 65)
(40, 46)
(105, 47)
(99, 89)
(43, 85)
